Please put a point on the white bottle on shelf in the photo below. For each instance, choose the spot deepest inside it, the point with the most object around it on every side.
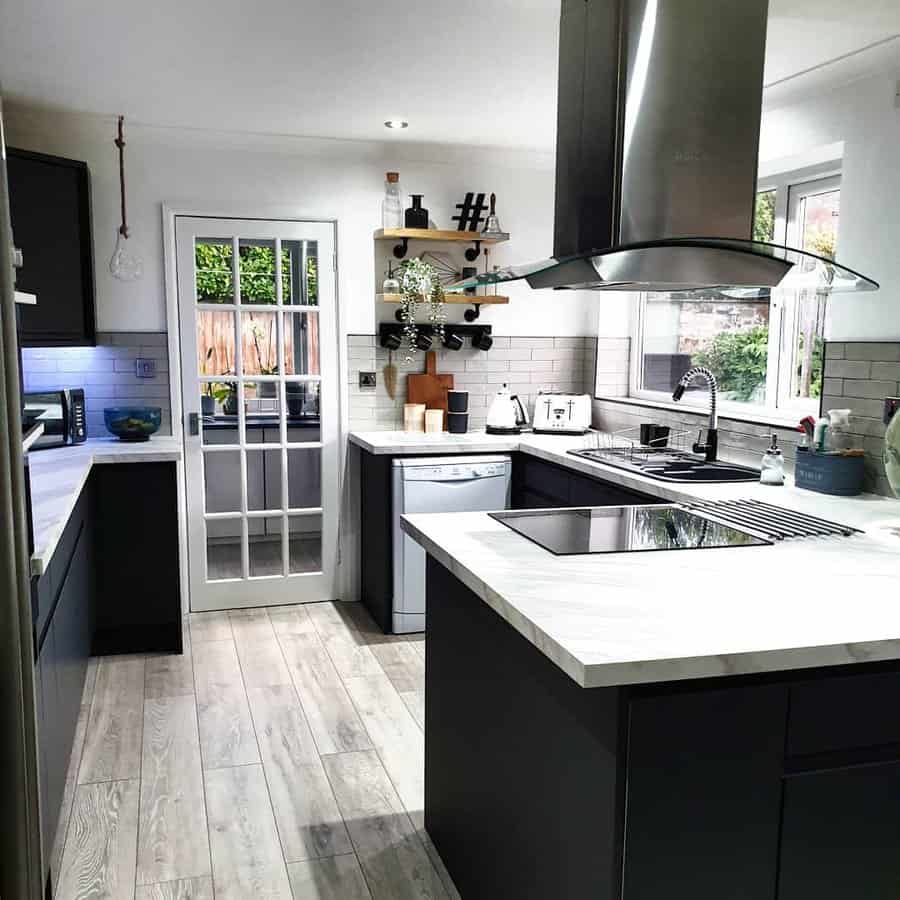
(392, 205)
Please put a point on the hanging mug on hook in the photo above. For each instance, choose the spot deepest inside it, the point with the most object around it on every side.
(124, 265)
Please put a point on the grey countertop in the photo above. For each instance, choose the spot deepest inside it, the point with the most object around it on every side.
(59, 473)
(633, 618)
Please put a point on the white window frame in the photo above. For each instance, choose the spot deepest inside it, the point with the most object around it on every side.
(790, 187)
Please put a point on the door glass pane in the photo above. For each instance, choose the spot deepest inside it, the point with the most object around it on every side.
(218, 412)
(302, 398)
(819, 218)
(261, 408)
(213, 270)
(256, 260)
(215, 342)
(266, 549)
(301, 343)
(223, 551)
(222, 481)
(259, 343)
(731, 339)
(305, 544)
(304, 478)
(263, 478)
(299, 273)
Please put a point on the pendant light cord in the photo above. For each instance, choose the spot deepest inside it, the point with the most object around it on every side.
(120, 143)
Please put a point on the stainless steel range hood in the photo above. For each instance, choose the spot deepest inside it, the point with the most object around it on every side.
(657, 150)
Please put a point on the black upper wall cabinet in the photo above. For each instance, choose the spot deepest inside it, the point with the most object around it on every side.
(50, 207)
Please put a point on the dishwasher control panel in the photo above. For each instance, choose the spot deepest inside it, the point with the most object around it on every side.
(450, 469)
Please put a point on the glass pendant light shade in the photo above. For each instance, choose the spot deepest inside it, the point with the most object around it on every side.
(123, 264)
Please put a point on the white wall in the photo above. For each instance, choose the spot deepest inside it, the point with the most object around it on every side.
(211, 172)
(862, 115)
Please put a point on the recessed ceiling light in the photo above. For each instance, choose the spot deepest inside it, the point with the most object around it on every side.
(396, 123)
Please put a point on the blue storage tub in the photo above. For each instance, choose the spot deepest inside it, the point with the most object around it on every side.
(829, 474)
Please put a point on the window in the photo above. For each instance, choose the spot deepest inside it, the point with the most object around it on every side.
(767, 355)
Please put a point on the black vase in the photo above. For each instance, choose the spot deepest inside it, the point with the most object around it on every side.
(415, 216)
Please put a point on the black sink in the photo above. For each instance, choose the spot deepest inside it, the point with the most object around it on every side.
(709, 473)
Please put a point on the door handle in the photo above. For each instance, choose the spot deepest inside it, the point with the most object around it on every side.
(193, 423)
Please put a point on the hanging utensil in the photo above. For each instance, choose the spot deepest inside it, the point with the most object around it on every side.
(390, 376)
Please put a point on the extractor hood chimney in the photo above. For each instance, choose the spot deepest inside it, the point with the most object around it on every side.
(658, 124)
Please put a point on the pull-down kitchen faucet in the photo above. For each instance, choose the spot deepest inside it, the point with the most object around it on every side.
(710, 448)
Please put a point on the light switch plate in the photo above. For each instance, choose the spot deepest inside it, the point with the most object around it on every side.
(367, 380)
(145, 368)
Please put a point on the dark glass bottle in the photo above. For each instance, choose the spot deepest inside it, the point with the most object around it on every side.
(416, 216)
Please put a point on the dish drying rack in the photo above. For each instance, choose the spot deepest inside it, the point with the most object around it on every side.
(626, 444)
(768, 521)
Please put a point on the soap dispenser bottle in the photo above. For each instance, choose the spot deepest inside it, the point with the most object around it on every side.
(772, 469)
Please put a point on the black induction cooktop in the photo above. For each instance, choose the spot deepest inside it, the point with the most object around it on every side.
(623, 529)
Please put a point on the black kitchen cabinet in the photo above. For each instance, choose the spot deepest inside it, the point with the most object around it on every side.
(50, 208)
(111, 586)
(841, 834)
(537, 484)
(377, 538)
(138, 590)
(63, 632)
(771, 786)
(694, 758)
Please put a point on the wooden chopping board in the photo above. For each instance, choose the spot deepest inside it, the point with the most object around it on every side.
(431, 387)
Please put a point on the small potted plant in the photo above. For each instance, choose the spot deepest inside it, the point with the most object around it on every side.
(420, 283)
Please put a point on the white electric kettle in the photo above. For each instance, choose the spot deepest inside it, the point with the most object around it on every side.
(507, 414)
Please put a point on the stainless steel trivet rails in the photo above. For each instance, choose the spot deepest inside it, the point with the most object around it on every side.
(767, 520)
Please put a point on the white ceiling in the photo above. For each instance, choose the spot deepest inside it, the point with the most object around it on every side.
(462, 72)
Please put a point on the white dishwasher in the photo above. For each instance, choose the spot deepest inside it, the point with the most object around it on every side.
(431, 485)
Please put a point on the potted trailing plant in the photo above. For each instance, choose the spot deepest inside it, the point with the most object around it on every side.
(420, 283)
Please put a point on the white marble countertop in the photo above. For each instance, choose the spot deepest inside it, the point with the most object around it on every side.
(630, 618)
(391, 442)
(59, 473)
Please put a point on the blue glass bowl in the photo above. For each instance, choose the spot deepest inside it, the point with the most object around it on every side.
(132, 423)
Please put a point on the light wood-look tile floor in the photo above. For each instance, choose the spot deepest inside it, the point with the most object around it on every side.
(282, 756)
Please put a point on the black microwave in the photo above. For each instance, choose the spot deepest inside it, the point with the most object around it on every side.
(60, 412)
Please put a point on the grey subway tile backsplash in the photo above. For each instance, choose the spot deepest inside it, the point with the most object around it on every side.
(526, 364)
(106, 372)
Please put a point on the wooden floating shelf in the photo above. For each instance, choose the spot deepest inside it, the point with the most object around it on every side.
(461, 299)
(434, 234)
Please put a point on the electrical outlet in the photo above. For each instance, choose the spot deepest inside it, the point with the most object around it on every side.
(367, 380)
(145, 368)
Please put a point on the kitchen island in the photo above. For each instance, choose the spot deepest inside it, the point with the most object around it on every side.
(712, 724)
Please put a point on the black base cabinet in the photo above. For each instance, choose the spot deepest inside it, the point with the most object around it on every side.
(138, 586)
(760, 787)
(841, 834)
(111, 586)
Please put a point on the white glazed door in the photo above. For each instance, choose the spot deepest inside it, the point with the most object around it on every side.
(258, 335)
